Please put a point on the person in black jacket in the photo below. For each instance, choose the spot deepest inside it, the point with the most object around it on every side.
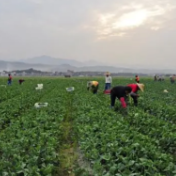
(121, 93)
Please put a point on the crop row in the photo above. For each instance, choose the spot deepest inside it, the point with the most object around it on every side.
(30, 139)
(138, 144)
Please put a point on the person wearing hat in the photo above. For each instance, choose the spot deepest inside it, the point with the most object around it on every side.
(135, 88)
(121, 93)
(93, 86)
(108, 81)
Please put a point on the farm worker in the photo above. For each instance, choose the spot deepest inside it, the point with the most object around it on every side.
(108, 81)
(9, 79)
(137, 79)
(155, 78)
(21, 81)
(121, 93)
(93, 86)
(161, 78)
(135, 88)
(172, 79)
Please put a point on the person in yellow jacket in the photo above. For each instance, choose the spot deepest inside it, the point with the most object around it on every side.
(93, 86)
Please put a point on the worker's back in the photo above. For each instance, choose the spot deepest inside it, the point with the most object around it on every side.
(119, 91)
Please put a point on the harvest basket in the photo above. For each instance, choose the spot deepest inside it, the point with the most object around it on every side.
(41, 105)
(107, 92)
(70, 89)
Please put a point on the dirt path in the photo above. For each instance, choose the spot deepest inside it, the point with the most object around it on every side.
(71, 158)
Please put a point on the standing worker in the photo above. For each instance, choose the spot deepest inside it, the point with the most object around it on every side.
(9, 79)
(21, 81)
(93, 86)
(137, 79)
(121, 93)
(108, 81)
(135, 88)
(155, 78)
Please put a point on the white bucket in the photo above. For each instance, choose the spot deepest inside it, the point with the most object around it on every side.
(41, 105)
(70, 89)
(40, 85)
(38, 88)
(165, 91)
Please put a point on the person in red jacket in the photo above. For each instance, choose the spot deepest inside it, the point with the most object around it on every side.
(135, 88)
(121, 93)
(9, 79)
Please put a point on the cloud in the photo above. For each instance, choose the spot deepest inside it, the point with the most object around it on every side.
(116, 32)
(130, 16)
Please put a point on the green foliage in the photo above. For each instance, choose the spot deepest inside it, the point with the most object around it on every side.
(33, 141)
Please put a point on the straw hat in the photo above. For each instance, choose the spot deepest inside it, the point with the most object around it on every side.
(95, 83)
(141, 87)
(107, 73)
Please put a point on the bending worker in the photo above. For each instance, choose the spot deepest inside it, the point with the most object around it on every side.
(93, 86)
(21, 81)
(135, 88)
(121, 93)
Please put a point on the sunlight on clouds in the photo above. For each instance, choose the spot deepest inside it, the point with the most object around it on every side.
(111, 25)
(131, 17)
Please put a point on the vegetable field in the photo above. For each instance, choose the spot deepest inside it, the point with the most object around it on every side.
(79, 135)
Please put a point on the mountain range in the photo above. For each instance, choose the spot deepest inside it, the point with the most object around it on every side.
(47, 63)
(47, 60)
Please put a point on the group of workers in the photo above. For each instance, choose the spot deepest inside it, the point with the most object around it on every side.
(94, 85)
(122, 92)
(158, 78)
(161, 78)
(118, 92)
(9, 81)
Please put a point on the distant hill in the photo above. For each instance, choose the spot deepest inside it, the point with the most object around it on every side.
(6, 65)
(9, 66)
(47, 60)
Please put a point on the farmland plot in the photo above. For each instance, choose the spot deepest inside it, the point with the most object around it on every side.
(50, 141)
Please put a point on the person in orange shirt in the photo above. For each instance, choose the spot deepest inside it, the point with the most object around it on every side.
(137, 79)
(93, 86)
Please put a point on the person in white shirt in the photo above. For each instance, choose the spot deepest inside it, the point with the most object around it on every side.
(108, 81)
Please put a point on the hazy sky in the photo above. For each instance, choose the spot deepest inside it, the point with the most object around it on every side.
(118, 32)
